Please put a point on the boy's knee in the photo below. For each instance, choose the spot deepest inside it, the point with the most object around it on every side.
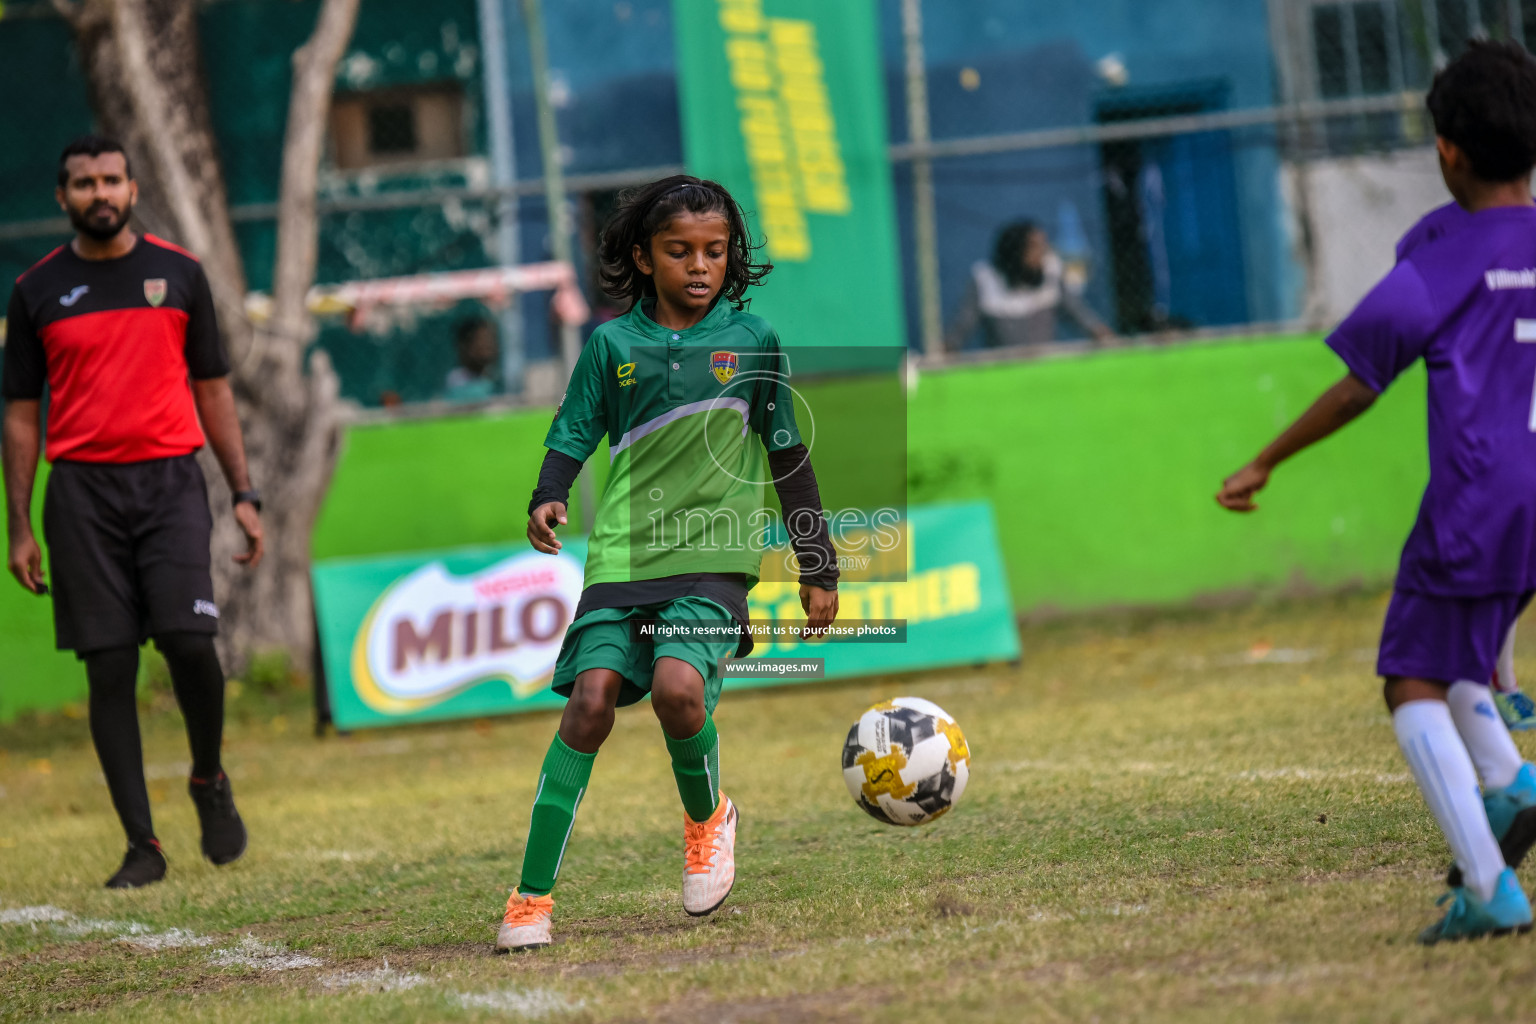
(595, 693)
(1400, 690)
(677, 692)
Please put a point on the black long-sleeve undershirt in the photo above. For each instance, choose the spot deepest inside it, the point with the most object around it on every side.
(794, 481)
(556, 475)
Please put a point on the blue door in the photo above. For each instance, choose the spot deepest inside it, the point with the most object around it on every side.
(1171, 206)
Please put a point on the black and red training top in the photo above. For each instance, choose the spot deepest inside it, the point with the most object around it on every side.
(115, 341)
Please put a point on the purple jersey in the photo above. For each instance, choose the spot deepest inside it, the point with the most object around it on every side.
(1432, 227)
(1464, 302)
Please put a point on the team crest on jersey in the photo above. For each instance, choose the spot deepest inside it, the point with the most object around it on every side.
(154, 290)
(724, 365)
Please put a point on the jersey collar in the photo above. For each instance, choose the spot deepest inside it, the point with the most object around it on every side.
(641, 321)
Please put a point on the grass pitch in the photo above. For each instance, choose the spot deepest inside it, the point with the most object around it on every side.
(1177, 817)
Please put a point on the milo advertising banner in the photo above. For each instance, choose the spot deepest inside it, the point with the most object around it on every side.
(783, 102)
(475, 631)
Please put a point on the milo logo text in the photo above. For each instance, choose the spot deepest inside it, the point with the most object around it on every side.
(433, 634)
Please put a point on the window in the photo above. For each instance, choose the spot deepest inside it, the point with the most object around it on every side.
(392, 127)
(1452, 22)
(1357, 49)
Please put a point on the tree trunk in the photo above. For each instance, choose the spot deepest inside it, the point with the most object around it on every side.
(142, 60)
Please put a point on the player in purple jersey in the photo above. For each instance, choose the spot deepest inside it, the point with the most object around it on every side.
(1517, 709)
(1463, 300)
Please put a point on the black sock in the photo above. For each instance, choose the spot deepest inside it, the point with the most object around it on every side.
(198, 679)
(114, 716)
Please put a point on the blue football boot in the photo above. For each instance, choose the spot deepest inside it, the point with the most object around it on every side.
(1512, 816)
(1517, 710)
(1470, 918)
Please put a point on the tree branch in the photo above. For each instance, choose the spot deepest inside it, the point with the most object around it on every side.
(314, 77)
(145, 92)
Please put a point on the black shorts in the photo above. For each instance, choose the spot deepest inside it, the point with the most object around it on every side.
(128, 552)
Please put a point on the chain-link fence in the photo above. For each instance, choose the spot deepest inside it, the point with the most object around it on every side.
(1098, 171)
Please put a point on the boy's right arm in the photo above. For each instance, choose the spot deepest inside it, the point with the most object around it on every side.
(1333, 409)
(546, 509)
(1388, 331)
(579, 425)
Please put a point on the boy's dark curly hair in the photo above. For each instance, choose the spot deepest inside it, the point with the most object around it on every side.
(1485, 102)
(645, 210)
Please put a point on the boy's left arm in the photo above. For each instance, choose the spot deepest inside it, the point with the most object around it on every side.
(795, 483)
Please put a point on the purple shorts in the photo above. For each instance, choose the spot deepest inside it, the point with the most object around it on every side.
(1446, 639)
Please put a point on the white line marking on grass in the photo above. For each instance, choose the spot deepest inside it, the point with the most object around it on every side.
(526, 1002)
(34, 915)
(253, 953)
(1263, 654)
(79, 929)
(172, 938)
(345, 856)
(67, 925)
(382, 979)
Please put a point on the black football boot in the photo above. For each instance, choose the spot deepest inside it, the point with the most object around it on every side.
(223, 831)
(143, 864)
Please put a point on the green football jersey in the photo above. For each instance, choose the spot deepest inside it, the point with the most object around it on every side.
(687, 415)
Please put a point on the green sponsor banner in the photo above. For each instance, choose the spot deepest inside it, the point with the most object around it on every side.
(954, 600)
(783, 102)
(475, 631)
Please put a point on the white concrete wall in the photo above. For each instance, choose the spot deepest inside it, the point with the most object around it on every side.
(1355, 209)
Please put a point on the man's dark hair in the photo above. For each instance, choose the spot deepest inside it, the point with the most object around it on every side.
(1485, 102)
(91, 145)
(1008, 250)
(645, 210)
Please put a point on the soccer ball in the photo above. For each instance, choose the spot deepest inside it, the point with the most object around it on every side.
(906, 761)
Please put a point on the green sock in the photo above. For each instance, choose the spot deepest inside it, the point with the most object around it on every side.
(562, 783)
(696, 764)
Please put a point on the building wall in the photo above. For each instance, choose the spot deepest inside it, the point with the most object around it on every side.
(995, 66)
(1356, 209)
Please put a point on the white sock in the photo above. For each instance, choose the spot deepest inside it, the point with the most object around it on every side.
(1504, 671)
(1440, 765)
(1483, 731)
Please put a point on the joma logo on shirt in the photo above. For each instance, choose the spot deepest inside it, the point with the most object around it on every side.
(1501, 280)
(74, 295)
(207, 608)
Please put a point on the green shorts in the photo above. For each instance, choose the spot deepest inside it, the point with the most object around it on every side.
(601, 639)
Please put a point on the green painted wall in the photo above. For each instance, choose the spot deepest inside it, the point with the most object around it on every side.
(1104, 470)
(1101, 469)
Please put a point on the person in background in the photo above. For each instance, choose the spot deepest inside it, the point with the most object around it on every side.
(474, 379)
(1015, 297)
(119, 329)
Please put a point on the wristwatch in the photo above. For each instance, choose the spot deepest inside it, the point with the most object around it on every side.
(253, 496)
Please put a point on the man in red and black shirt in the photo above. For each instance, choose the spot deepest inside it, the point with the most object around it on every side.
(120, 329)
